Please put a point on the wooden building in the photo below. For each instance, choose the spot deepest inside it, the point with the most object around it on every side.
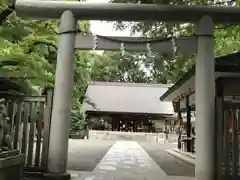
(227, 110)
(8, 86)
(129, 106)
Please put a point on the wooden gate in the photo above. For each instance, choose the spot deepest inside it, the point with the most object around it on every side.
(228, 139)
(29, 125)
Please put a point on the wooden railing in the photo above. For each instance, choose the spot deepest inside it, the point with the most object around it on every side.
(29, 126)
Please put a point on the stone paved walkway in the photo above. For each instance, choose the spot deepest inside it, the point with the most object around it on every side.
(128, 161)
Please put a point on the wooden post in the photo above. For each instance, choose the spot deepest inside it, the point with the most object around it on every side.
(113, 123)
(46, 129)
(17, 126)
(178, 109)
(31, 134)
(39, 122)
(25, 128)
(189, 125)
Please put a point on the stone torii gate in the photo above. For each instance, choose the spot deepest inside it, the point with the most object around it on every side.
(203, 16)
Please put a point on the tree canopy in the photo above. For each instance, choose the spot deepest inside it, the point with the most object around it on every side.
(167, 69)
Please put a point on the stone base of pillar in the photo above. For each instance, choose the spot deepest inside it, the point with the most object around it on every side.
(48, 176)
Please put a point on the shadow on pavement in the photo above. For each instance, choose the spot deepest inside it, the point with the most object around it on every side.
(84, 155)
(171, 165)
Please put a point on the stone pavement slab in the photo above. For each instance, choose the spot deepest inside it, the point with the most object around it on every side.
(126, 160)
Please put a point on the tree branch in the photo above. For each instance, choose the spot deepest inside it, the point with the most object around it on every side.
(42, 42)
(45, 43)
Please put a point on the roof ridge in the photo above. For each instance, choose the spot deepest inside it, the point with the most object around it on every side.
(129, 84)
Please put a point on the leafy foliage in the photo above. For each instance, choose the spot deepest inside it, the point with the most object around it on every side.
(28, 53)
(78, 123)
(166, 69)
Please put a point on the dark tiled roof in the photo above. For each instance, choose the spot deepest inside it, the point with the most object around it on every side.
(128, 98)
(7, 84)
(228, 63)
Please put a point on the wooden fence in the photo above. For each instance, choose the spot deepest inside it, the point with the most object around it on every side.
(29, 126)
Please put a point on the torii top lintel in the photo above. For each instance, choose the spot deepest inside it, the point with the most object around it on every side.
(127, 12)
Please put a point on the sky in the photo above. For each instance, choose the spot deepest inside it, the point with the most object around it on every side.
(105, 28)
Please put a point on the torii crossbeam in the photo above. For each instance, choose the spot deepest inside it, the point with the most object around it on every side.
(127, 12)
(185, 45)
(203, 16)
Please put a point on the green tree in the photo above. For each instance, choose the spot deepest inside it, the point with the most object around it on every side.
(114, 67)
(28, 53)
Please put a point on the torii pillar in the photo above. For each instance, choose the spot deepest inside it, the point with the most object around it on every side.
(62, 99)
(205, 167)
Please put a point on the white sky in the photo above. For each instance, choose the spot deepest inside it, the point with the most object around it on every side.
(104, 28)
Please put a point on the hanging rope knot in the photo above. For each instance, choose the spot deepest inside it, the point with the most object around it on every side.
(149, 49)
(122, 49)
(95, 42)
(174, 45)
(173, 40)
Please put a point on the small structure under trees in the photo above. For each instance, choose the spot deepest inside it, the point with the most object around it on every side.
(129, 106)
(9, 86)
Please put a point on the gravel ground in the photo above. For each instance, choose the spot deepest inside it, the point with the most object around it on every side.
(84, 155)
(168, 163)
